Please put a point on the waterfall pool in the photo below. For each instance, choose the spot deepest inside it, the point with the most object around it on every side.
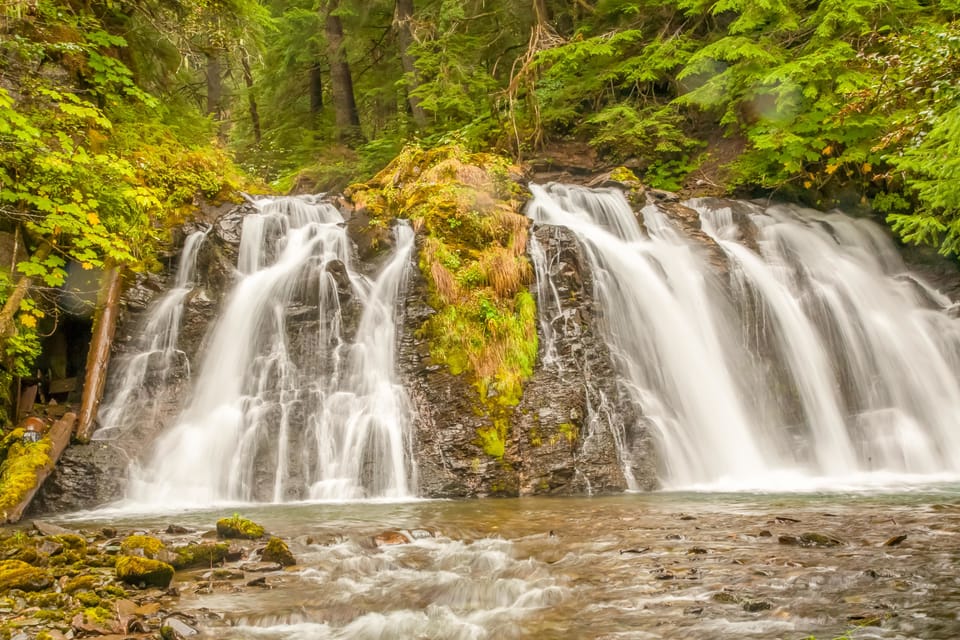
(652, 565)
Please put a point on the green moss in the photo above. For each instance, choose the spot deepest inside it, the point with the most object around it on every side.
(622, 174)
(97, 615)
(137, 570)
(16, 574)
(200, 555)
(71, 541)
(492, 441)
(278, 551)
(569, 431)
(147, 546)
(86, 582)
(237, 527)
(88, 599)
(473, 258)
(18, 472)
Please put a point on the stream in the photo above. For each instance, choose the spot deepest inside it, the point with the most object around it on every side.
(655, 565)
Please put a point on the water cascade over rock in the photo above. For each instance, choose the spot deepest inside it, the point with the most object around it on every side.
(157, 358)
(811, 356)
(295, 397)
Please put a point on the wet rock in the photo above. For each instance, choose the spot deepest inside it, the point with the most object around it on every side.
(895, 540)
(785, 520)
(725, 597)
(388, 538)
(261, 567)
(258, 582)
(752, 606)
(637, 551)
(50, 547)
(135, 570)
(812, 539)
(693, 611)
(175, 529)
(48, 529)
(278, 551)
(765, 534)
(663, 574)
(696, 551)
(174, 628)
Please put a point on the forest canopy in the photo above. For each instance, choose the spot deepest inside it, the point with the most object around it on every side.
(118, 118)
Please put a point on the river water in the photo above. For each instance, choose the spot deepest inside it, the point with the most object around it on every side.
(655, 565)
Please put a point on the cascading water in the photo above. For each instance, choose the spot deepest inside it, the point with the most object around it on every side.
(158, 358)
(816, 361)
(287, 404)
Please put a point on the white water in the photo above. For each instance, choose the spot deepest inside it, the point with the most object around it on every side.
(157, 358)
(819, 365)
(293, 410)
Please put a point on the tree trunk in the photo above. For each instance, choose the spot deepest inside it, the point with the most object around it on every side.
(104, 326)
(214, 86)
(403, 23)
(12, 305)
(251, 98)
(59, 439)
(316, 92)
(341, 82)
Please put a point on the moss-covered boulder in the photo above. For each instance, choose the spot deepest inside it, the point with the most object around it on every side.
(200, 555)
(237, 527)
(278, 551)
(136, 570)
(140, 545)
(16, 574)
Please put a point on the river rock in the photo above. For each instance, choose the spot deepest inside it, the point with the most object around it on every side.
(135, 570)
(389, 538)
(174, 628)
(895, 540)
(278, 551)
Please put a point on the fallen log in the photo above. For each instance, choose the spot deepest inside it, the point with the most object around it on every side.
(104, 326)
(59, 438)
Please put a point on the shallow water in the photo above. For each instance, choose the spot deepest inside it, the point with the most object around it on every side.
(630, 566)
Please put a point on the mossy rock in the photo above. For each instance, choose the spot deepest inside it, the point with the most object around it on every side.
(138, 545)
(237, 527)
(200, 555)
(88, 582)
(278, 551)
(137, 570)
(16, 574)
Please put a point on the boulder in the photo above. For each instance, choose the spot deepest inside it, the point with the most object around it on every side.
(136, 570)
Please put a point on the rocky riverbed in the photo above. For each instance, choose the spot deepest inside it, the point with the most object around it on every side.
(663, 565)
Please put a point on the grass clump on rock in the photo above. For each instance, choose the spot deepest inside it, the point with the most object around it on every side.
(237, 527)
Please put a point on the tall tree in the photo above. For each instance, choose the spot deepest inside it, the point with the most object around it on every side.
(403, 23)
(346, 116)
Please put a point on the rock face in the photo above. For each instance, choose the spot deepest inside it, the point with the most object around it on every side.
(562, 436)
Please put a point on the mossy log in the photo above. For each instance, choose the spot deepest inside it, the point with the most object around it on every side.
(104, 326)
(59, 437)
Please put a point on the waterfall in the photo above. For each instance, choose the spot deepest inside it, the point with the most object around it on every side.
(157, 359)
(290, 401)
(818, 359)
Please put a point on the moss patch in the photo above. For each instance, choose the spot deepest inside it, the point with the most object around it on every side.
(278, 551)
(200, 555)
(466, 206)
(237, 527)
(18, 472)
(16, 574)
(137, 570)
(137, 545)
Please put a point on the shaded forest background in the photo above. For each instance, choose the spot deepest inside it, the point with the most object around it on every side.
(118, 118)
